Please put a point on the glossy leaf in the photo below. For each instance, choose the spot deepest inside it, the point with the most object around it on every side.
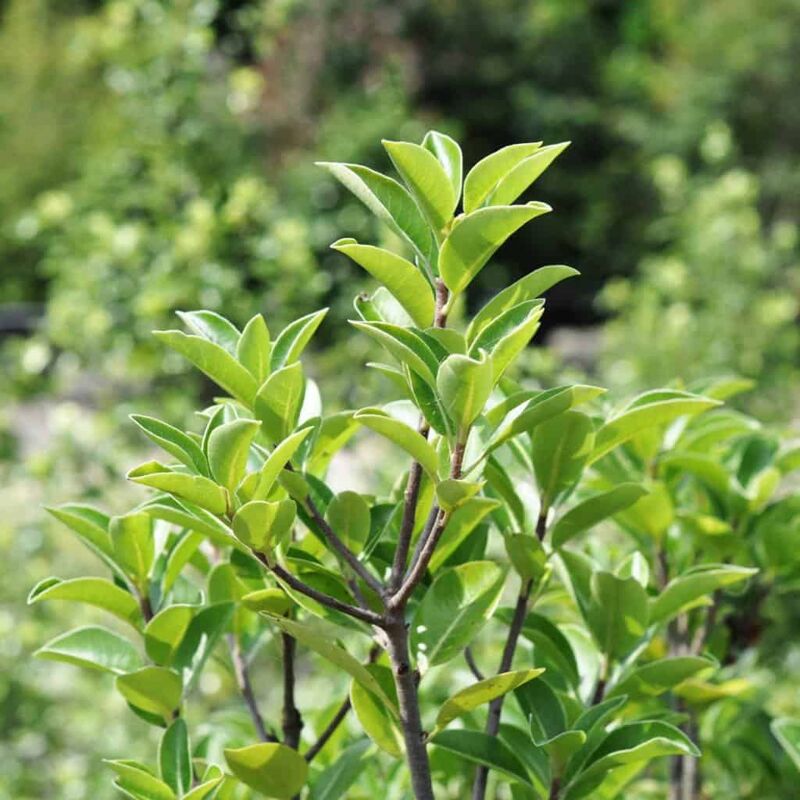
(173, 441)
(136, 782)
(154, 690)
(228, 450)
(278, 402)
(96, 592)
(407, 348)
(270, 768)
(212, 326)
(262, 525)
(464, 385)
(294, 338)
(92, 647)
(165, 631)
(488, 172)
(348, 515)
(134, 547)
(448, 153)
(194, 488)
(452, 493)
(90, 525)
(280, 456)
(200, 639)
(175, 757)
(253, 349)
(520, 178)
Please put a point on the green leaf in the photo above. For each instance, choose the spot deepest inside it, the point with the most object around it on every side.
(377, 721)
(526, 554)
(550, 646)
(292, 340)
(484, 691)
(635, 742)
(528, 288)
(657, 677)
(279, 401)
(173, 441)
(280, 456)
(454, 609)
(787, 732)
(694, 584)
(199, 641)
(348, 515)
(228, 450)
(175, 757)
(404, 345)
(480, 748)
(204, 790)
(652, 513)
(96, 592)
(263, 525)
(134, 548)
(154, 690)
(452, 493)
(397, 274)
(272, 769)
(476, 237)
(543, 708)
(427, 180)
(212, 326)
(92, 647)
(617, 614)
(214, 361)
(461, 524)
(448, 153)
(464, 385)
(520, 178)
(187, 515)
(316, 638)
(136, 782)
(561, 447)
(335, 781)
(165, 631)
(387, 200)
(90, 525)
(594, 509)
(272, 600)
(642, 414)
(253, 349)
(489, 171)
(401, 434)
(427, 400)
(194, 488)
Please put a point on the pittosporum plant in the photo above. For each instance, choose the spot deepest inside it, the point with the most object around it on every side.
(242, 550)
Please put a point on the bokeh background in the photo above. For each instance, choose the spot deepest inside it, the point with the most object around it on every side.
(158, 155)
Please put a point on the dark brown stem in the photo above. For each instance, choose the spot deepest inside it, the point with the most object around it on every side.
(242, 674)
(145, 607)
(442, 295)
(292, 722)
(408, 702)
(473, 667)
(555, 788)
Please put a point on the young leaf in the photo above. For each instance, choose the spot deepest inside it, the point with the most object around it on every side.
(132, 537)
(90, 525)
(212, 326)
(279, 400)
(92, 647)
(617, 614)
(694, 584)
(165, 632)
(452, 493)
(398, 275)
(194, 488)
(154, 690)
(270, 768)
(657, 677)
(204, 790)
(190, 516)
(482, 692)
(594, 509)
(96, 592)
(487, 173)
(173, 441)
(405, 346)
(276, 461)
(136, 782)
(253, 348)
(228, 450)
(476, 237)
(175, 758)
(387, 200)
(520, 178)
(448, 153)
(214, 361)
(292, 340)
(454, 609)
(378, 723)
(398, 432)
(348, 515)
(262, 525)
(464, 385)
(427, 180)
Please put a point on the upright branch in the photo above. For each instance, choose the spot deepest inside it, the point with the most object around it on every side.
(242, 675)
(291, 722)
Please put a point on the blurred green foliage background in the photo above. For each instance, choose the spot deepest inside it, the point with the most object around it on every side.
(158, 155)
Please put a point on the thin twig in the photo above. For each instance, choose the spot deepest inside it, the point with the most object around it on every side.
(242, 674)
(469, 657)
(292, 722)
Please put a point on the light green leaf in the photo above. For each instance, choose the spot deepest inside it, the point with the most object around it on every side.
(520, 178)
(404, 345)
(454, 609)
(214, 361)
(461, 524)
(448, 153)
(482, 692)
(348, 515)
(488, 172)
(263, 525)
(165, 631)
(279, 400)
(292, 340)
(641, 415)
(92, 647)
(200, 639)
(397, 274)
(90, 525)
(271, 600)
(134, 548)
(787, 732)
(476, 237)
(480, 748)
(272, 769)
(253, 349)
(452, 493)
(528, 288)
(277, 460)
(194, 488)
(617, 613)
(154, 690)
(694, 584)
(136, 782)
(401, 434)
(228, 450)
(204, 790)
(335, 781)
(212, 326)
(526, 554)
(175, 757)
(173, 441)
(187, 515)
(652, 513)
(92, 591)
(594, 509)
(376, 720)
(464, 385)
(387, 200)
(426, 178)
(561, 447)
(657, 677)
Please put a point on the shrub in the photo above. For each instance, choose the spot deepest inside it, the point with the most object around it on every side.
(243, 546)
